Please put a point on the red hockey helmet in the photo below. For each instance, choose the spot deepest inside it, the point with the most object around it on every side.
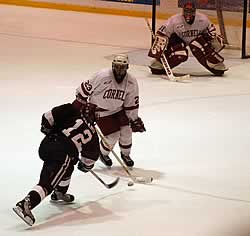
(189, 10)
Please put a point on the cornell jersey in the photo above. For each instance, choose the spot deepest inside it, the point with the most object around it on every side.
(111, 97)
(177, 24)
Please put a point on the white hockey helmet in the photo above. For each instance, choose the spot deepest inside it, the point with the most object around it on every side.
(120, 65)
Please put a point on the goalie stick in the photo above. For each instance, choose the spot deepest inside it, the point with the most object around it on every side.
(141, 180)
(111, 185)
(165, 64)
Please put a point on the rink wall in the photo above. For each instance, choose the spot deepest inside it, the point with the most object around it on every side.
(164, 10)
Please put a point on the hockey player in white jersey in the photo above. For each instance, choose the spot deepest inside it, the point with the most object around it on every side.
(116, 94)
(188, 29)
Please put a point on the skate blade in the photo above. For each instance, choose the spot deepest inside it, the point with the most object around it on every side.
(108, 167)
(61, 202)
(26, 219)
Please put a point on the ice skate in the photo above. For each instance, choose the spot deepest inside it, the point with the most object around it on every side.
(127, 160)
(61, 198)
(157, 68)
(22, 209)
(106, 160)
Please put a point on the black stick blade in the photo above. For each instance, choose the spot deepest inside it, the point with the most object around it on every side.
(113, 184)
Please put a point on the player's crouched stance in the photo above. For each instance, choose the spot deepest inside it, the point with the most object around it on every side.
(188, 29)
(115, 91)
(69, 130)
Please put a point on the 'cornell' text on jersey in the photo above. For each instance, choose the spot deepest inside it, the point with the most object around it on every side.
(191, 33)
(114, 94)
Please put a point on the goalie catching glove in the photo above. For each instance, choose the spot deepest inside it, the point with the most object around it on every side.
(215, 40)
(137, 125)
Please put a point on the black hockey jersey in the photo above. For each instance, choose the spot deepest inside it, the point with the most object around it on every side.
(66, 122)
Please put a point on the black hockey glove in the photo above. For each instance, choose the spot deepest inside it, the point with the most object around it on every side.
(137, 125)
(46, 128)
(83, 167)
(89, 113)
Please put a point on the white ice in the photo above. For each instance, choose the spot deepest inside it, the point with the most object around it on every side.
(196, 146)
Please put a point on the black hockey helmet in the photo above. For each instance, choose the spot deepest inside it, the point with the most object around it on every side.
(189, 11)
(119, 67)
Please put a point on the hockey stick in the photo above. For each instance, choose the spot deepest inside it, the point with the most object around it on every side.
(141, 180)
(111, 185)
(165, 64)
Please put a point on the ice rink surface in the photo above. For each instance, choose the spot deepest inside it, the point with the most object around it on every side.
(197, 144)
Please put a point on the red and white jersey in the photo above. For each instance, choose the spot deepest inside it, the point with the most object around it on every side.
(177, 24)
(103, 90)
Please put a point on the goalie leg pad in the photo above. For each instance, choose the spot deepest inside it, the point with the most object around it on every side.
(206, 55)
(176, 52)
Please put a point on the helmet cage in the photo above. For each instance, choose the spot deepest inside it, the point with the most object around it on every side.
(189, 12)
(119, 67)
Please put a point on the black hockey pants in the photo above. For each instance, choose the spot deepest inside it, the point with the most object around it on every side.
(58, 166)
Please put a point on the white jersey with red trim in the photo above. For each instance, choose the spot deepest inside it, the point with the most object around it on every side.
(177, 24)
(103, 90)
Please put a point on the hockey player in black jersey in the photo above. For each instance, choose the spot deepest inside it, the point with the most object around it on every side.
(69, 131)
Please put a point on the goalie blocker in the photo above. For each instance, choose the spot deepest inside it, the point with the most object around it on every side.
(158, 47)
(175, 53)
